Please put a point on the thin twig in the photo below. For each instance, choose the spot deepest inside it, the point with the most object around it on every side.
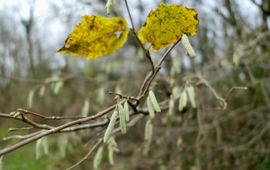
(14, 137)
(21, 137)
(133, 106)
(24, 119)
(213, 91)
(146, 52)
(25, 111)
(19, 129)
(124, 96)
(87, 155)
(34, 124)
(234, 88)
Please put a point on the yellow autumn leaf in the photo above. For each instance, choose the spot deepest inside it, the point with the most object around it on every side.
(95, 37)
(167, 24)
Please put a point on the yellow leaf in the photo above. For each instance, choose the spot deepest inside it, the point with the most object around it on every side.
(167, 24)
(96, 36)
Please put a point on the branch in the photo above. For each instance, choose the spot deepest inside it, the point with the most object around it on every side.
(124, 96)
(24, 119)
(55, 130)
(35, 125)
(21, 136)
(150, 77)
(66, 130)
(133, 30)
(234, 88)
(257, 4)
(24, 111)
(223, 101)
(87, 155)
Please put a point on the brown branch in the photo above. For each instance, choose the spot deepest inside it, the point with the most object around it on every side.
(66, 130)
(55, 130)
(85, 126)
(7, 116)
(124, 96)
(34, 124)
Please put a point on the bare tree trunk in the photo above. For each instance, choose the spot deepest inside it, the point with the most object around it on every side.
(232, 17)
(265, 14)
(28, 25)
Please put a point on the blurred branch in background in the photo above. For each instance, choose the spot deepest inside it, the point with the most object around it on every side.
(28, 26)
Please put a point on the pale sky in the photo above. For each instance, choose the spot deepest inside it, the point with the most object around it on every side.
(53, 30)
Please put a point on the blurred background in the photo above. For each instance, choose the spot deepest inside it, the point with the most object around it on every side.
(232, 47)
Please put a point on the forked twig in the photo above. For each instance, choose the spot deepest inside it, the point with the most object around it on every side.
(146, 52)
